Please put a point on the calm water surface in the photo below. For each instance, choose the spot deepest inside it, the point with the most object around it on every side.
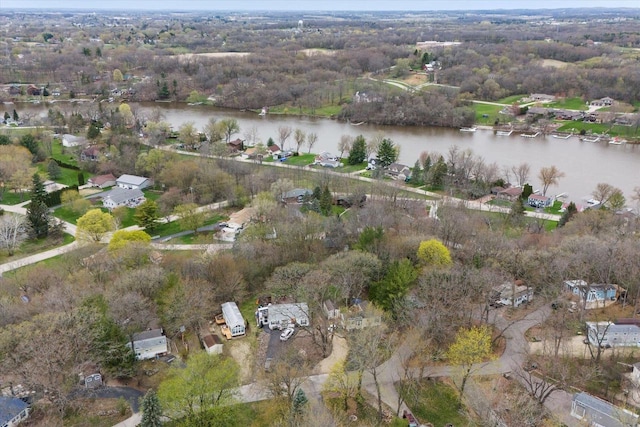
(585, 164)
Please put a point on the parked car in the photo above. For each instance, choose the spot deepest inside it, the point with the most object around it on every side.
(286, 334)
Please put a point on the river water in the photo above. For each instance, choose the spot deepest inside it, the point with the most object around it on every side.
(585, 164)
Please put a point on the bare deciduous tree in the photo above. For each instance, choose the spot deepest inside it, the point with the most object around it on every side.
(549, 176)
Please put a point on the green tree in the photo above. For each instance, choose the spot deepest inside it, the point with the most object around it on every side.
(200, 394)
(108, 342)
(516, 213)
(326, 201)
(80, 178)
(527, 190)
(30, 143)
(86, 51)
(147, 215)
(387, 152)
(5, 140)
(69, 196)
(370, 239)
(38, 215)
(189, 217)
(358, 151)
(98, 52)
(399, 278)
(470, 348)
(15, 115)
(53, 170)
(151, 410)
(93, 131)
(94, 225)
(47, 36)
(163, 91)
(228, 128)
(433, 253)
(417, 174)
(568, 214)
(299, 402)
(437, 174)
(117, 75)
(122, 238)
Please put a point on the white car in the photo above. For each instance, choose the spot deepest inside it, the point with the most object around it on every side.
(286, 334)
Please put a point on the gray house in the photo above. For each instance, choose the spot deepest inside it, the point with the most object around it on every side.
(123, 197)
(13, 411)
(600, 413)
(608, 334)
(149, 344)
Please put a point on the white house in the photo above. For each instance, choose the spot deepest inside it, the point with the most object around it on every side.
(149, 344)
(133, 181)
(512, 295)
(13, 411)
(600, 413)
(233, 318)
(122, 197)
(69, 140)
(608, 334)
(279, 316)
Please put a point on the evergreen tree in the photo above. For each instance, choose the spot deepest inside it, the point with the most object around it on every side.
(147, 214)
(163, 92)
(416, 174)
(387, 153)
(38, 216)
(437, 173)
(568, 214)
(426, 167)
(151, 410)
(299, 402)
(358, 152)
(7, 116)
(53, 169)
(516, 214)
(15, 115)
(93, 132)
(80, 178)
(527, 190)
(5, 140)
(326, 200)
(29, 142)
(270, 142)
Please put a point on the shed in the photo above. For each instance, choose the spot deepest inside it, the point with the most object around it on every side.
(149, 344)
(598, 412)
(212, 344)
(330, 309)
(233, 318)
(102, 181)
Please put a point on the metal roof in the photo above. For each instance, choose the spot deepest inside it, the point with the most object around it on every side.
(604, 413)
(232, 315)
(132, 179)
(10, 407)
(120, 195)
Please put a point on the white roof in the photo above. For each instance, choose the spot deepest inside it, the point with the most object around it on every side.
(232, 315)
(132, 179)
(298, 311)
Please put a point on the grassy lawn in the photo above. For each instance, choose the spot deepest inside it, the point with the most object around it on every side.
(347, 168)
(490, 111)
(324, 111)
(11, 198)
(67, 177)
(301, 160)
(437, 403)
(511, 99)
(31, 247)
(62, 154)
(152, 194)
(569, 104)
(577, 126)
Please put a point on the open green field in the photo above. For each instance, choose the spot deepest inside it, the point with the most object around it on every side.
(569, 104)
(67, 177)
(11, 198)
(301, 160)
(511, 99)
(63, 154)
(492, 112)
(600, 128)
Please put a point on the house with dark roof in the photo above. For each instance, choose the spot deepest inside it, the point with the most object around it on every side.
(130, 198)
(236, 145)
(91, 154)
(13, 411)
(399, 171)
(133, 181)
(597, 412)
(102, 181)
(296, 195)
(511, 194)
(149, 344)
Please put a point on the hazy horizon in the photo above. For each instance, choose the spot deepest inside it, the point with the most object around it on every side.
(314, 5)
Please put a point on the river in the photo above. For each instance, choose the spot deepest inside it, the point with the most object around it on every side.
(585, 164)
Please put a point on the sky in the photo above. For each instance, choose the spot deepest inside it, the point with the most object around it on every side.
(312, 5)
